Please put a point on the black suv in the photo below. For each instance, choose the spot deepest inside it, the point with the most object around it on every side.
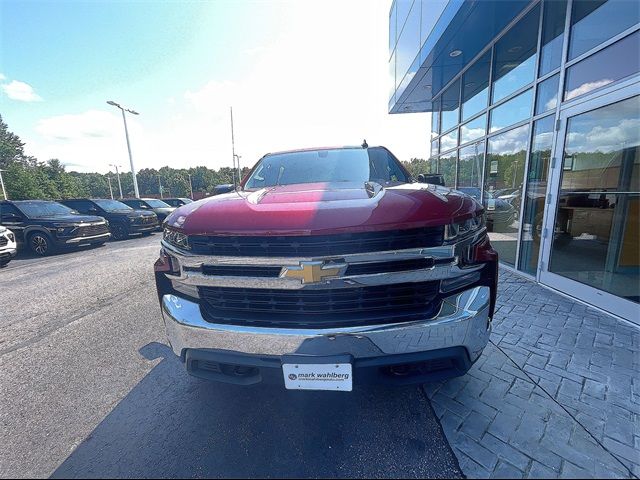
(123, 220)
(161, 209)
(45, 226)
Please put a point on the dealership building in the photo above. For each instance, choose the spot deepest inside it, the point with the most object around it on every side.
(535, 112)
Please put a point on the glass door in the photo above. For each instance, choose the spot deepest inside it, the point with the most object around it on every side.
(592, 230)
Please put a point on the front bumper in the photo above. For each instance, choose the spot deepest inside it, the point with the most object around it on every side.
(103, 237)
(461, 327)
(7, 254)
(149, 227)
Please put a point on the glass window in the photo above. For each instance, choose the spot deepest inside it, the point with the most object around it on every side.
(435, 119)
(597, 230)
(449, 141)
(476, 128)
(392, 28)
(392, 75)
(555, 12)
(503, 179)
(409, 41)
(547, 94)
(435, 148)
(329, 165)
(447, 167)
(475, 87)
(450, 103)
(595, 21)
(515, 56)
(609, 65)
(402, 10)
(470, 169)
(535, 197)
(513, 111)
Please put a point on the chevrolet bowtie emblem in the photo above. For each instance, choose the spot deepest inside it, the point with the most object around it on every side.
(312, 272)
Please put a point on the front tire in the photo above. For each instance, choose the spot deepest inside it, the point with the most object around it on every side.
(40, 244)
(119, 232)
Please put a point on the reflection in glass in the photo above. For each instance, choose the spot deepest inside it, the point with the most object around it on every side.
(547, 94)
(475, 87)
(513, 111)
(435, 119)
(470, 169)
(535, 195)
(555, 12)
(609, 65)
(449, 140)
(597, 231)
(595, 21)
(503, 178)
(476, 128)
(515, 56)
(392, 28)
(392, 76)
(450, 104)
(447, 167)
(434, 148)
(409, 40)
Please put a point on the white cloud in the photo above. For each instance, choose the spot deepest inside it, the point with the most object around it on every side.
(90, 124)
(2, 77)
(587, 87)
(21, 91)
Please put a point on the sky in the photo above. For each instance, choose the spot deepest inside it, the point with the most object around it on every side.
(298, 74)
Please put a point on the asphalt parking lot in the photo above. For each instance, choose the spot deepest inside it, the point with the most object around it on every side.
(90, 389)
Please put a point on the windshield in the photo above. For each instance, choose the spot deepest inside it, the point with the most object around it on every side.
(157, 204)
(112, 205)
(330, 166)
(45, 209)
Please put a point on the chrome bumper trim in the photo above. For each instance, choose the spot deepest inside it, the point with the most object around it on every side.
(462, 321)
(84, 239)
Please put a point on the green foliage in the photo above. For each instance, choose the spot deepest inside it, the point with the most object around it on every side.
(27, 178)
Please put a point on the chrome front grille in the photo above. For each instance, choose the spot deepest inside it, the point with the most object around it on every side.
(316, 245)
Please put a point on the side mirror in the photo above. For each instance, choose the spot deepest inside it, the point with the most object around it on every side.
(432, 178)
(224, 188)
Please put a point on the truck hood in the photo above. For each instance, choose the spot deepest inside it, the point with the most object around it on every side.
(322, 208)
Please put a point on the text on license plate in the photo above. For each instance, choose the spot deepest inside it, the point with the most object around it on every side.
(324, 376)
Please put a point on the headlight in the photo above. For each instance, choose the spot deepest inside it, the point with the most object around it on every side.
(132, 219)
(11, 237)
(175, 238)
(64, 228)
(464, 228)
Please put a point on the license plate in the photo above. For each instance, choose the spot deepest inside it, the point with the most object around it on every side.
(323, 376)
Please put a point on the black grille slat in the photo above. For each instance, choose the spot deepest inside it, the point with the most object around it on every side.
(320, 308)
(3, 241)
(241, 270)
(317, 245)
(91, 230)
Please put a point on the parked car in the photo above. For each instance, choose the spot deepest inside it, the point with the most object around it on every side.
(123, 220)
(8, 247)
(160, 208)
(45, 226)
(500, 213)
(177, 202)
(326, 269)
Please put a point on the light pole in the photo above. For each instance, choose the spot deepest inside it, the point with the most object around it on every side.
(118, 175)
(110, 189)
(190, 186)
(126, 133)
(160, 186)
(4, 192)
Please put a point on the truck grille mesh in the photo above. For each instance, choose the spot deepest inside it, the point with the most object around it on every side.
(316, 245)
(309, 308)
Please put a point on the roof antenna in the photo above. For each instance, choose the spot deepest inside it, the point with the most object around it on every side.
(365, 144)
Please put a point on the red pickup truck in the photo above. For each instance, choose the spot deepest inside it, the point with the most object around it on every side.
(328, 268)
